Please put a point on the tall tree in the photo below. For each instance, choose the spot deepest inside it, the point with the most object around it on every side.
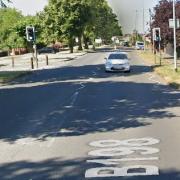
(162, 13)
(68, 19)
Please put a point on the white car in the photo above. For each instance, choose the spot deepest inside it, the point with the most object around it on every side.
(139, 45)
(117, 61)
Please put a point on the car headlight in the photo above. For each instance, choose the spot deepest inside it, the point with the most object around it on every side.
(126, 64)
(108, 64)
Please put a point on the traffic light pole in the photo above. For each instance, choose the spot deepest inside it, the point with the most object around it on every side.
(174, 21)
(35, 52)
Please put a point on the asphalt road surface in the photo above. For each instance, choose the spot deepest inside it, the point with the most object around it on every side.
(78, 122)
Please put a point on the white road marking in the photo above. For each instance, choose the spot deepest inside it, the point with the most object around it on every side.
(122, 172)
(117, 161)
(115, 148)
(130, 142)
(122, 151)
(74, 97)
(82, 86)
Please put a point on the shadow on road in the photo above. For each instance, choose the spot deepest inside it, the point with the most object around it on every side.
(77, 72)
(51, 108)
(74, 169)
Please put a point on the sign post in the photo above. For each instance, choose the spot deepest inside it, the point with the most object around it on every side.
(174, 20)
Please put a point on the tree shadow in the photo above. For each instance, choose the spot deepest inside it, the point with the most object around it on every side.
(83, 72)
(56, 109)
(72, 169)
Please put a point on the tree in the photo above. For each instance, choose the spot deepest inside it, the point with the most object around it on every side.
(162, 13)
(68, 19)
(20, 29)
(104, 23)
(8, 18)
(3, 3)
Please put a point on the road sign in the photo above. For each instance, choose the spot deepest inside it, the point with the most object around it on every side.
(171, 23)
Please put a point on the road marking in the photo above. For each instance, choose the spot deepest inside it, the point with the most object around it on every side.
(117, 161)
(74, 97)
(130, 142)
(115, 148)
(122, 151)
(82, 86)
(139, 170)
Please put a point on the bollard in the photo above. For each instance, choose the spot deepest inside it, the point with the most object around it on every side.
(32, 65)
(47, 60)
(37, 65)
(12, 61)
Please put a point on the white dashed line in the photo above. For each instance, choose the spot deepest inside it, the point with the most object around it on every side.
(82, 86)
(74, 97)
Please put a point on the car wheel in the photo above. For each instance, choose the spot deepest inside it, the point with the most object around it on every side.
(128, 71)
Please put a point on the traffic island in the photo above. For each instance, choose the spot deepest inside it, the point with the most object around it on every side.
(165, 70)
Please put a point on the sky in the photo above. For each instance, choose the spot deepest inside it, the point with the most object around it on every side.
(129, 12)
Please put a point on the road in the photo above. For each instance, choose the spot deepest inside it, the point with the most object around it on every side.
(78, 122)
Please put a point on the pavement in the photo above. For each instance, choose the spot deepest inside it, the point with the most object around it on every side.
(77, 122)
(23, 62)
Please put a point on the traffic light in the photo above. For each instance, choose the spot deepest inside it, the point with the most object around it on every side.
(30, 33)
(157, 34)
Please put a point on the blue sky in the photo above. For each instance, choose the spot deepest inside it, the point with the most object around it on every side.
(125, 10)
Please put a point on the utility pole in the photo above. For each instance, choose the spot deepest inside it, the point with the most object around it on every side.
(174, 21)
(136, 23)
(150, 22)
(144, 28)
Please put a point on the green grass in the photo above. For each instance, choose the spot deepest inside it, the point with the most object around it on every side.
(166, 70)
(9, 76)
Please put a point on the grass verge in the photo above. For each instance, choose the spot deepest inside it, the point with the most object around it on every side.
(166, 70)
(6, 77)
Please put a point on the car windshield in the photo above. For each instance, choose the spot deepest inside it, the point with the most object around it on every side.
(141, 44)
(117, 56)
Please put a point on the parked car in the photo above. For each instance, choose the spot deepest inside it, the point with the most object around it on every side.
(117, 61)
(126, 44)
(139, 45)
(48, 50)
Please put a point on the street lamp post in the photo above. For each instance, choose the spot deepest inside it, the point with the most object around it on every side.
(174, 21)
